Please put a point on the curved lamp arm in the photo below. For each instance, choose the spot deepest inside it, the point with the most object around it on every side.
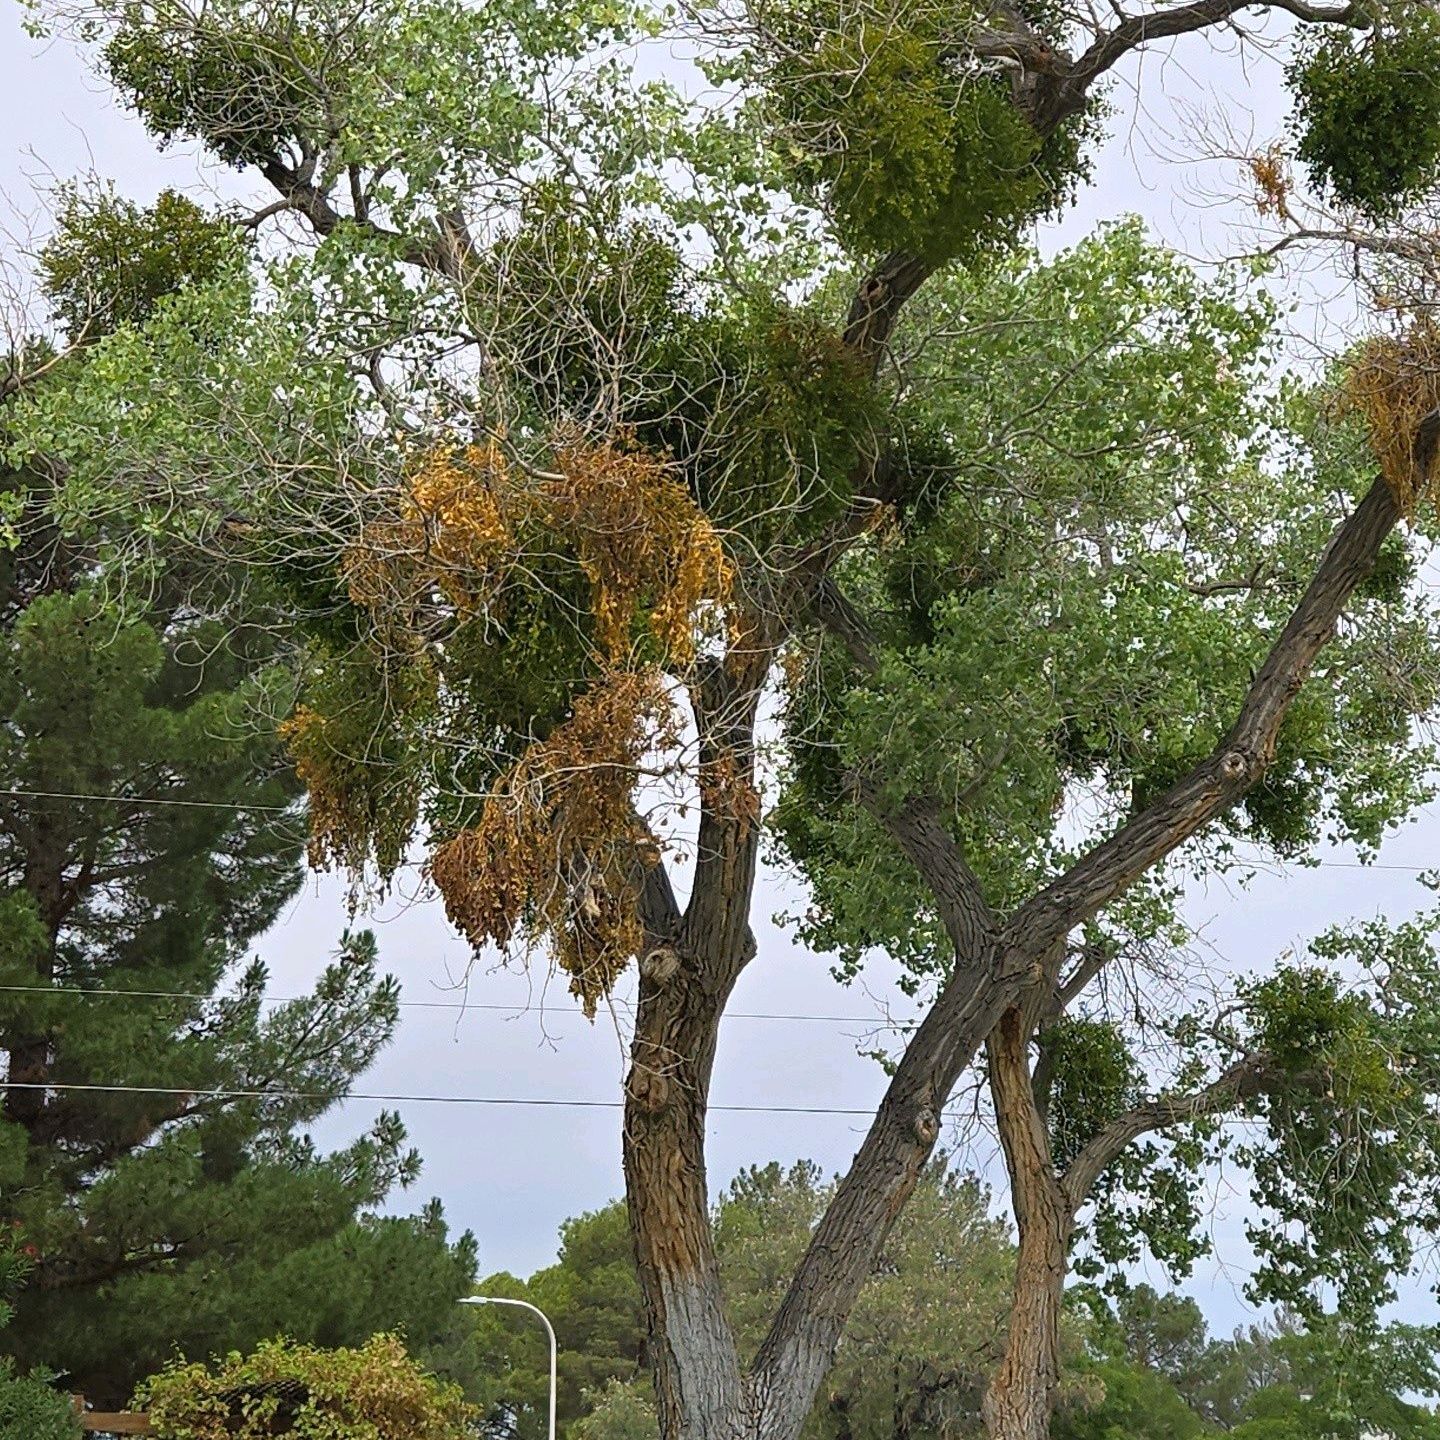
(549, 1330)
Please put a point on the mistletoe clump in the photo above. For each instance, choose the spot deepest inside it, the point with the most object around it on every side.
(453, 528)
(601, 550)
(472, 522)
(643, 544)
(914, 147)
(349, 747)
(1370, 111)
(243, 81)
(559, 849)
(1394, 386)
(112, 262)
(1093, 1077)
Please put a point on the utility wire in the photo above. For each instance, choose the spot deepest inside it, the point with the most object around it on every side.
(455, 1005)
(145, 800)
(334, 1097)
(289, 810)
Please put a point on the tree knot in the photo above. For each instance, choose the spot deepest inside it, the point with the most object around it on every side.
(1237, 766)
(660, 964)
(647, 1088)
(927, 1125)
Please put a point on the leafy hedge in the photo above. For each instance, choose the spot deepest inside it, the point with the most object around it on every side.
(376, 1392)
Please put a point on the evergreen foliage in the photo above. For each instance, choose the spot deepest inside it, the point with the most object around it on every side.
(915, 1360)
(150, 831)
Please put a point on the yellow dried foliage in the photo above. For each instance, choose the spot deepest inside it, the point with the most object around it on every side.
(452, 533)
(1272, 183)
(638, 535)
(558, 849)
(1394, 384)
(625, 514)
(303, 733)
(357, 811)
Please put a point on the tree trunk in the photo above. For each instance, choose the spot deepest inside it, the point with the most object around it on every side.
(1021, 1398)
(686, 977)
(28, 1064)
(698, 1389)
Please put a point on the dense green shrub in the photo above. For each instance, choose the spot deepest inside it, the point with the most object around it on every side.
(376, 1392)
(1370, 112)
(30, 1409)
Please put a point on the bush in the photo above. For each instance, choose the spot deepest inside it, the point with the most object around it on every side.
(374, 1393)
(31, 1410)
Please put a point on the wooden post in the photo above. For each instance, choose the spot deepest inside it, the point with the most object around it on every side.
(120, 1422)
(115, 1422)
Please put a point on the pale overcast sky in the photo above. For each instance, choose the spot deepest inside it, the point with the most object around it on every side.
(512, 1174)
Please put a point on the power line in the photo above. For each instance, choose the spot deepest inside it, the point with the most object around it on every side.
(408, 1099)
(145, 800)
(239, 807)
(455, 1005)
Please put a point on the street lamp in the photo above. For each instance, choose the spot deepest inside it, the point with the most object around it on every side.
(549, 1330)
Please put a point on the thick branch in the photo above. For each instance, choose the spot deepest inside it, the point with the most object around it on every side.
(916, 823)
(446, 254)
(659, 910)
(917, 828)
(1242, 757)
(716, 928)
(1136, 31)
(991, 971)
(1022, 1130)
(798, 1351)
(1021, 1396)
(1246, 1077)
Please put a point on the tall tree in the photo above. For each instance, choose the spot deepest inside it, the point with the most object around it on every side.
(588, 412)
(152, 1152)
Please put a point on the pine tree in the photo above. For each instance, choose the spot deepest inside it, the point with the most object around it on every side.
(149, 832)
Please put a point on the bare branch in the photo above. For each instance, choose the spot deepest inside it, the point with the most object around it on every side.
(1091, 960)
(1136, 31)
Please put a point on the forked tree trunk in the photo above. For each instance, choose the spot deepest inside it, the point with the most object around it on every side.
(1021, 1397)
(694, 959)
(686, 975)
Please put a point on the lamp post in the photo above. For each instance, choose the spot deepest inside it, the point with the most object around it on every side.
(549, 1330)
